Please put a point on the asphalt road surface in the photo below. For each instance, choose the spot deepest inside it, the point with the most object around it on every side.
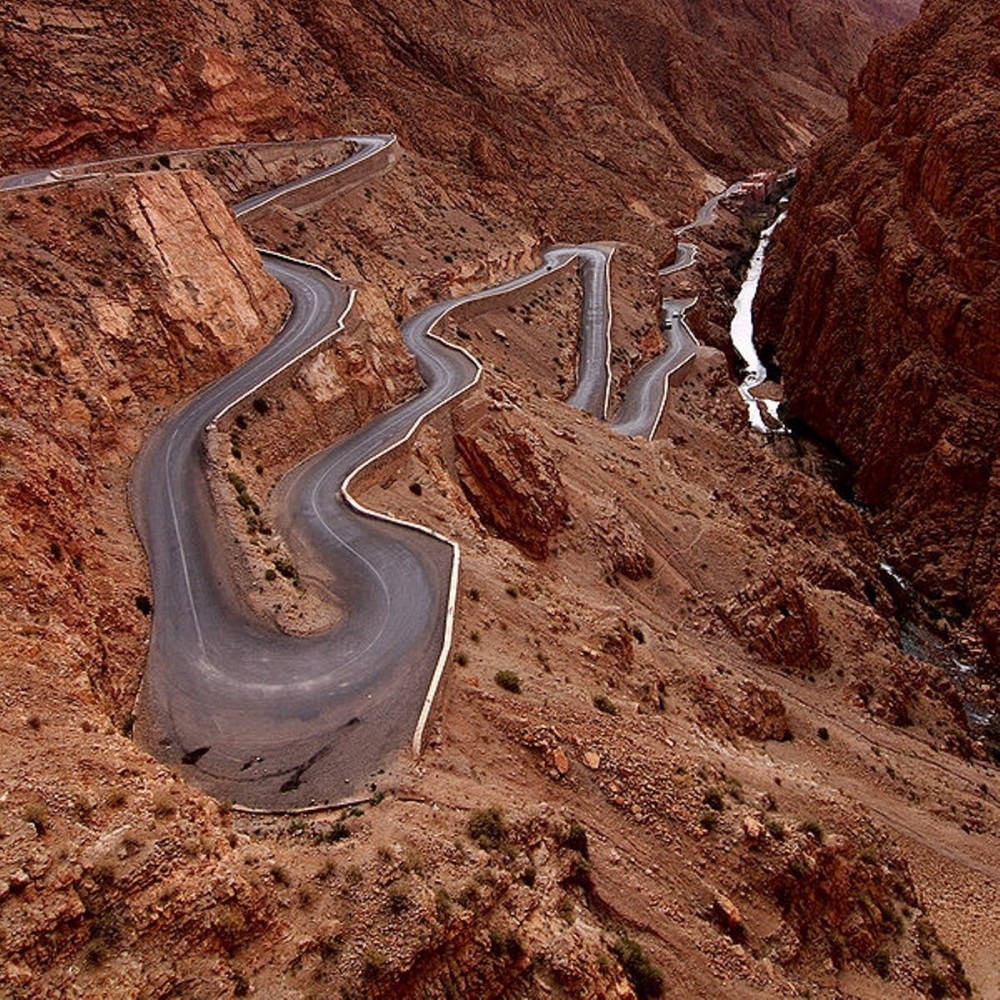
(274, 721)
(270, 720)
(642, 408)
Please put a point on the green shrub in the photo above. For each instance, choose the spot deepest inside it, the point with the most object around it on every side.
(604, 704)
(646, 979)
(486, 827)
(880, 963)
(775, 828)
(713, 799)
(399, 896)
(814, 828)
(576, 839)
(339, 831)
(509, 681)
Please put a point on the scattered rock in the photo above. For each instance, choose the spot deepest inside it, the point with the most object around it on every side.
(727, 915)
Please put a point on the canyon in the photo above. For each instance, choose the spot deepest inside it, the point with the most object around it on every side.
(677, 749)
(886, 285)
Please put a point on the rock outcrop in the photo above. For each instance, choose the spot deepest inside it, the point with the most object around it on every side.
(509, 477)
(117, 296)
(557, 108)
(884, 285)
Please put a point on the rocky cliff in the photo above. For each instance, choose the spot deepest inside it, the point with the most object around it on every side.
(558, 109)
(882, 298)
(116, 296)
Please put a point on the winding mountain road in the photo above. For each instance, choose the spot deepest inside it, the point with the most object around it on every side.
(274, 721)
(641, 410)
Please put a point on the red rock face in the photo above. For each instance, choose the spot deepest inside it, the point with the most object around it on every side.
(570, 107)
(882, 296)
(510, 479)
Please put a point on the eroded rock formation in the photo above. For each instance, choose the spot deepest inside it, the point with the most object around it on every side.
(884, 288)
(511, 480)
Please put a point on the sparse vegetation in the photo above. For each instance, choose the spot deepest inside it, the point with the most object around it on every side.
(508, 680)
(646, 979)
(486, 827)
(604, 704)
(37, 814)
(775, 828)
(713, 799)
(814, 828)
(398, 894)
(338, 831)
(881, 963)
(373, 961)
(164, 805)
(442, 903)
(576, 839)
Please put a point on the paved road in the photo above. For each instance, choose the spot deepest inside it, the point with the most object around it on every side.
(260, 717)
(706, 213)
(642, 408)
(645, 398)
(263, 718)
(593, 381)
(267, 719)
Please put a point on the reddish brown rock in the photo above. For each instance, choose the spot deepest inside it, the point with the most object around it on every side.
(884, 288)
(780, 623)
(727, 915)
(509, 477)
(837, 902)
(760, 714)
(627, 551)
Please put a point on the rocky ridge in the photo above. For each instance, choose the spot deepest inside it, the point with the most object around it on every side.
(637, 804)
(556, 110)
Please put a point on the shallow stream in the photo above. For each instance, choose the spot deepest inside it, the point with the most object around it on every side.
(763, 413)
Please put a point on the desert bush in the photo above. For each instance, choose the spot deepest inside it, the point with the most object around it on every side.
(814, 828)
(486, 827)
(646, 979)
(508, 680)
(604, 704)
(713, 799)
(576, 839)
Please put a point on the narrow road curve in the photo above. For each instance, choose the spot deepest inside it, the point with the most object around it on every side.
(593, 381)
(641, 410)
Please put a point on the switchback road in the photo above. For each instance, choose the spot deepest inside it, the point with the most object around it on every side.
(274, 721)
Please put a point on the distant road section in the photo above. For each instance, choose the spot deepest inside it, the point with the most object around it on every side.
(642, 408)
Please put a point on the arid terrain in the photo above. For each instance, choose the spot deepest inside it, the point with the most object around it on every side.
(678, 749)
